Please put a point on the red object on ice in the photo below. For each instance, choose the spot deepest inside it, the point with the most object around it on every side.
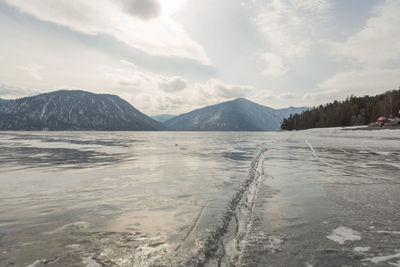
(382, 119)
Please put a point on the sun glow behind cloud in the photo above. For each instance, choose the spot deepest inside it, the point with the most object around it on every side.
(159, 35)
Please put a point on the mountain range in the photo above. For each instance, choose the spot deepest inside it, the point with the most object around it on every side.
(74, 110)
(236, 115)
(81, 110)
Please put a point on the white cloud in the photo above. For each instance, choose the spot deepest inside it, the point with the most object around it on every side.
(288, 26)
(314, 6)
(287, 96)
(33, 70)
(324, 96)
(12, 92)
(275, 65)
(364, 81)
(228, 91)
(160, 35)
(128, 77)
(357, 82)
(378, 42)
(173, 84)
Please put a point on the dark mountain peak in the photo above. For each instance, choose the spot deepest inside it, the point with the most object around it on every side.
(70, 91)
(246, 102)
(73, 110)
(75, 93)
(241, 100)
(235, 115)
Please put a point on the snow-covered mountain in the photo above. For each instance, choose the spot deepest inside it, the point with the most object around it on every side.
(73, 110)
(236, 115)
(162, 117)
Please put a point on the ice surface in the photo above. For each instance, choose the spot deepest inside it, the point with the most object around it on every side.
(397, 264)
(146, 198)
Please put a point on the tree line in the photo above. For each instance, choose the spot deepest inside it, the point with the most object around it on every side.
(350, 112)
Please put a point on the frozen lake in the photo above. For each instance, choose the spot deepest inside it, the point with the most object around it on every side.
(309, 198)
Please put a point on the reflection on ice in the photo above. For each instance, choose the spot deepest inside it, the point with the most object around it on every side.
(128, 196)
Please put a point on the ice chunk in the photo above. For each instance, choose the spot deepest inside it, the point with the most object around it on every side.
(90, 262)
(343, 234)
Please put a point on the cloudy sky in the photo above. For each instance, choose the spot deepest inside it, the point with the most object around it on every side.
(171, 56)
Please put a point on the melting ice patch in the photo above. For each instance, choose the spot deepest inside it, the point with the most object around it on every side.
(361, 249)
(388, 232)
(382, 258)
(90, 262)
(343, 234)
(41, 262)
(69, 227)
(274, 243)
(73, 246)
(34, 264)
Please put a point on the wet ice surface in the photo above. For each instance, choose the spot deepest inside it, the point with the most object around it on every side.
(338, 200)
(324, 197)
(117, 198)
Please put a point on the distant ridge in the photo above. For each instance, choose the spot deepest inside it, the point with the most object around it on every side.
(162, 117)
(73, 110)
(236, 115)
